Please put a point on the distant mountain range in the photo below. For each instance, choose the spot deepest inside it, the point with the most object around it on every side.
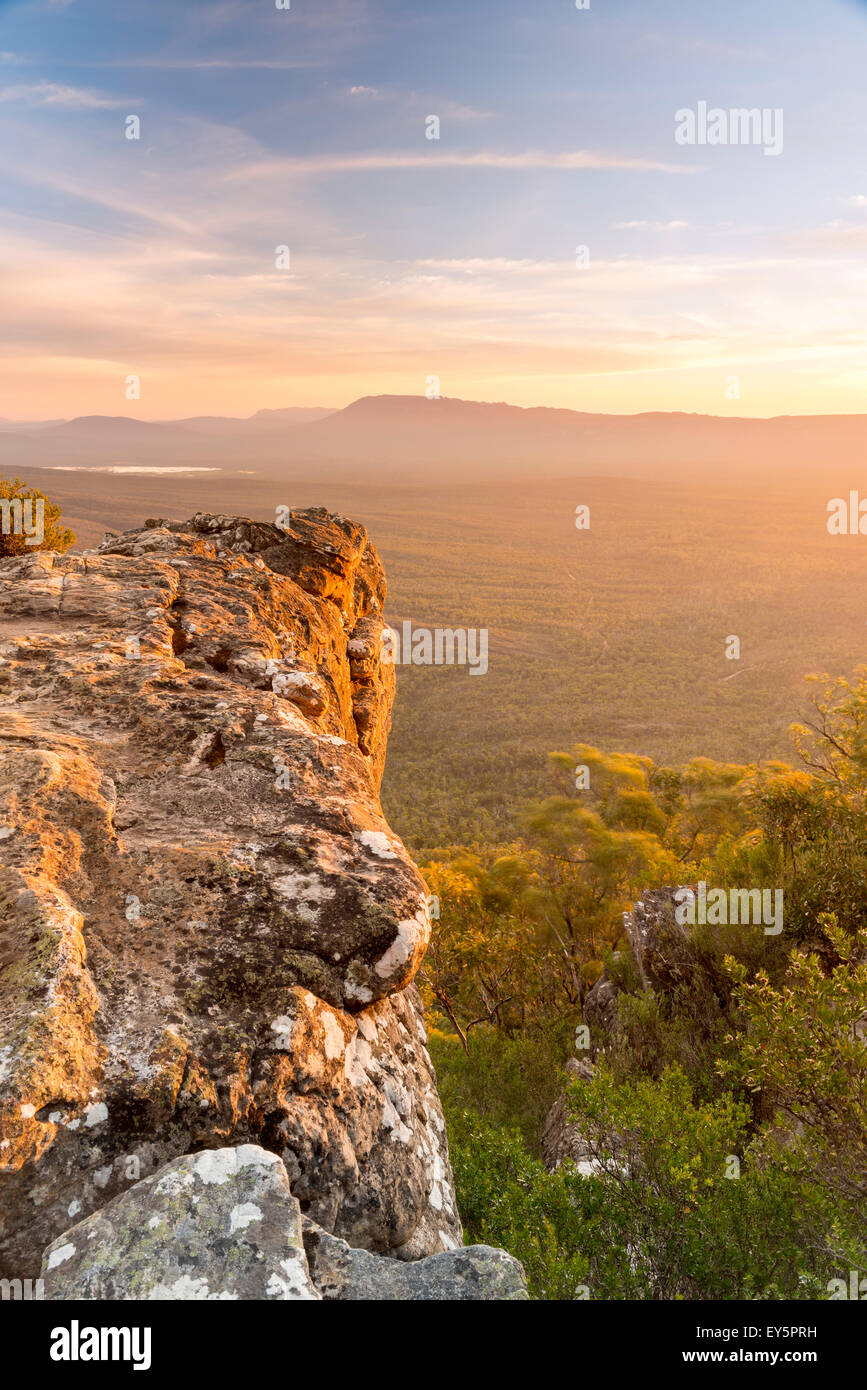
(409, 437)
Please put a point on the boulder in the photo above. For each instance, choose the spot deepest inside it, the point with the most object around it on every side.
(218, 1225)
(660, 949)
(475, 1272)
(599, 1009)
(223, 1225)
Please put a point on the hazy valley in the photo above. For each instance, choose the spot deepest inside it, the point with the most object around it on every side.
(614, 635)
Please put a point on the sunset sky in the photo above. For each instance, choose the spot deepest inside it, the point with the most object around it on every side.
(413, 257)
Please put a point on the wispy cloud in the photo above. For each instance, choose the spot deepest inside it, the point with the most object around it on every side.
(204, 64)
(711, 48)
(457, 111)
(57, 94)
(148, 211)
(414, 102)
(641, 226)
(480, 159)
(306, 127)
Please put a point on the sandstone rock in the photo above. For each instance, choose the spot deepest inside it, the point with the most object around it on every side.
(473, 1272)
(209, 932)
(659, 946)
(217, 1225)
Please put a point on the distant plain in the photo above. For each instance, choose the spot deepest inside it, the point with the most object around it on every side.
(613, 636)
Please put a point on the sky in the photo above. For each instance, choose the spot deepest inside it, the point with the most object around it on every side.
(714, 277)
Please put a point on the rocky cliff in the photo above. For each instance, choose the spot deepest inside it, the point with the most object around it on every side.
(209, 933)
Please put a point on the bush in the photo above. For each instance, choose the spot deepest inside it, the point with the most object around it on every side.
(507, 1199)
(508, 1082)
(804, 1049)
(728, 1113)
(680, 1188)
(660, 1219)
(14, 540)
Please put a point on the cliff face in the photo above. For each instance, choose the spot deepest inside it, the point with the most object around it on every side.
(209, 933)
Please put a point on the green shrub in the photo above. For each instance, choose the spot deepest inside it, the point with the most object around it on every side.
(803, 1048)
(680, 1187)
(660, 1219)
(508, 1082)
(54, 536)
(507, 1199)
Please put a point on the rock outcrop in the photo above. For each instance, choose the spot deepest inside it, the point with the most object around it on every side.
(209, 933)
(660, 949)
(562, 1138)
(224, 1225)
(660, 944)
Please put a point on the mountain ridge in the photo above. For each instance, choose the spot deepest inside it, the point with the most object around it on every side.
(411, 437)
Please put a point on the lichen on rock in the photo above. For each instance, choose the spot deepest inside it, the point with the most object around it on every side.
(224, 1225)
(209, 932)
(221, 1225)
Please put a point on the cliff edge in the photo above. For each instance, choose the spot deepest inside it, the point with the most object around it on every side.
(208, 932)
